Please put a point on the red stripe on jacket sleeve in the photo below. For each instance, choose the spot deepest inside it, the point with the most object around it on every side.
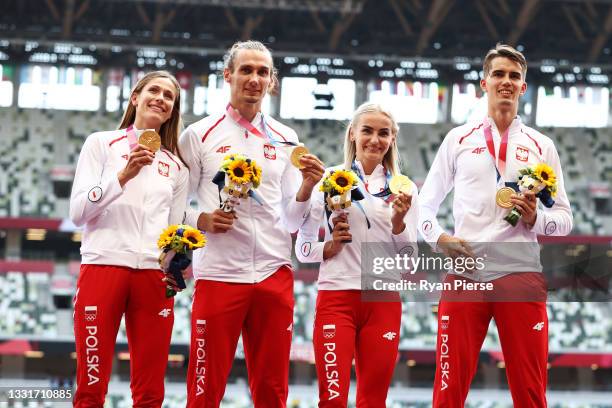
(211, 128)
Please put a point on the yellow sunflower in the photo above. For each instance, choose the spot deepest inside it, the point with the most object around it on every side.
(166, 236)
(545, 173)
(256, 170)
(239, 171)
(193, 238)
(342, 181)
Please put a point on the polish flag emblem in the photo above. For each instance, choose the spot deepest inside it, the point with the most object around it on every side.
(329, 331)
(444, 321)
(91, 312)
(163, 169)
(200, 326)
(522, 154)
(269, 152)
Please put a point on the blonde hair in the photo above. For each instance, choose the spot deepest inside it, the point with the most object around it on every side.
(391, 161)
(230, 57)
(505, 51)
(170, 129)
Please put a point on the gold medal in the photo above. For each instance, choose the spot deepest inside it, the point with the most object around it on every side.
(150, 139)
(400, 184)
(503, 197)
(297, 154)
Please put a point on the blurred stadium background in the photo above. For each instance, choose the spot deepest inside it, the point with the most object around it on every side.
(67, 67)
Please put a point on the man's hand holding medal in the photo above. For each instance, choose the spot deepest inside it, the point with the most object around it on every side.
(536, 181)
(312, 170)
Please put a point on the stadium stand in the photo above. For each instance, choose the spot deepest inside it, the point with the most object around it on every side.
(27, 161)
(27, 305)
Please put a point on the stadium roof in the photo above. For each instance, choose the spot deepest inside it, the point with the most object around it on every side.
(551, 32)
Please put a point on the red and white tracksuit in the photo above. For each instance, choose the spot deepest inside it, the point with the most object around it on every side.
(119, 270)
(347, 325)
(463, 163)
(244, 279)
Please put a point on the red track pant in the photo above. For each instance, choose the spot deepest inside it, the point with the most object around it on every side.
(523, 333)
(348, 326)
(263, 313)
(104, 294)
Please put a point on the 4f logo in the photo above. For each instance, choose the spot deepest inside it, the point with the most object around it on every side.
(389, 335)
(165, 312)
(538, 326)
(522, 154)
(478, 150)
(223, 149)
(163, 169)
(269, 152)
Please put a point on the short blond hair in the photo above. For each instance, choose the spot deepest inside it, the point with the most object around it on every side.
(505, 51)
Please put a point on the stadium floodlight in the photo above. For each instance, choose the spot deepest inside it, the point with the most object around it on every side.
(598, 79)
(570, 77)
(427, 73)
(462, 66)
(549, 69)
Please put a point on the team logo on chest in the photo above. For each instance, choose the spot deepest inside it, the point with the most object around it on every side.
(522, 153)
(479, 150)
(163, 169)
(269, 152)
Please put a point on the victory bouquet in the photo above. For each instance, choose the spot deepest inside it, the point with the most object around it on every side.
(540, 179)
(176, 242)
(340, 190)
(237, 178)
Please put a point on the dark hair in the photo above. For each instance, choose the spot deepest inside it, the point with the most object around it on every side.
(506, 51)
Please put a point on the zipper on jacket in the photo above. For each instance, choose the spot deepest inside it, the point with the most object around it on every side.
(142, 223)
(254, 237)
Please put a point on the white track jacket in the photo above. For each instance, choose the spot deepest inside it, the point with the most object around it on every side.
(121, 226)
(343, 271)
(464, 163)
(259, 242)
